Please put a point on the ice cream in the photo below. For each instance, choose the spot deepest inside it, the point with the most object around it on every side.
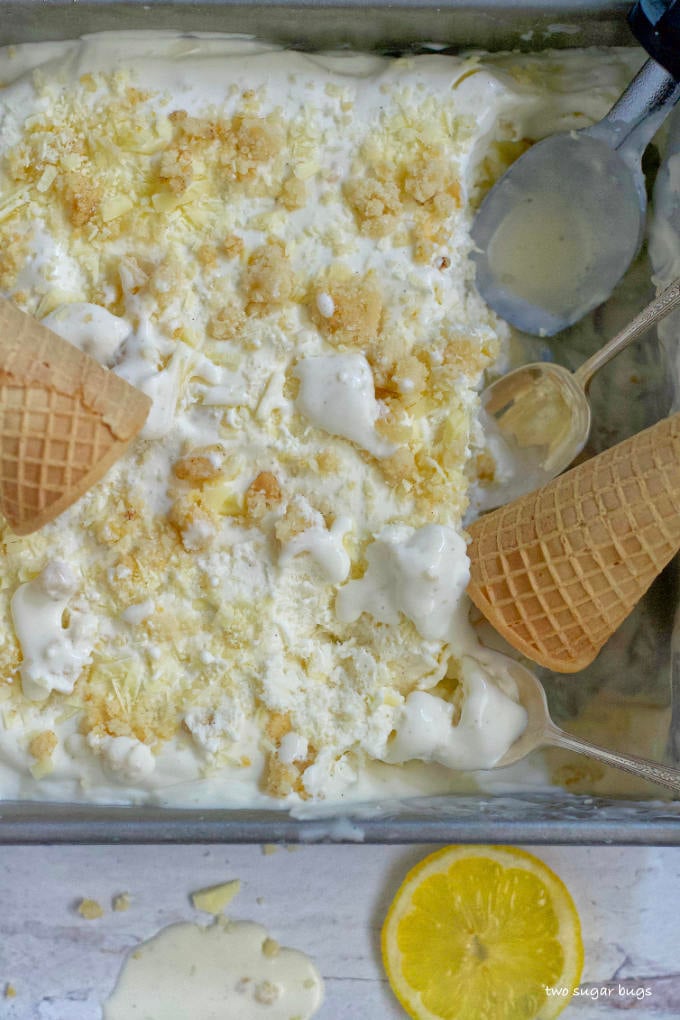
(268, 591)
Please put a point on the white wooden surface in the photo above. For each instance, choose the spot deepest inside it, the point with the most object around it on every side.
(326, 900)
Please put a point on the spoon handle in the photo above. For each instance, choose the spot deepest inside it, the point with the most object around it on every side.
(653, 771)
(658, 309)
(639, 113)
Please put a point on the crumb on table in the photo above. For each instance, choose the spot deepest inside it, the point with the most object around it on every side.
(215, 898)
(90, 909)
(121, 902)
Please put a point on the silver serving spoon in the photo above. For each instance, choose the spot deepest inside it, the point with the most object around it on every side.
(558, 231)
(541, 731)
(536, 419)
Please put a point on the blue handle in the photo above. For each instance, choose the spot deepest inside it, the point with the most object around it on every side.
(656, 24)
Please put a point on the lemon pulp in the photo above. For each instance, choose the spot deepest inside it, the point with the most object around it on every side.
(482, 933)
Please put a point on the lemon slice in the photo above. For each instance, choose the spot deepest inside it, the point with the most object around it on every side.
(482, 933)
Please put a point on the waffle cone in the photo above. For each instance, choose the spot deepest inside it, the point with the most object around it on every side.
(557, 571)
(64, 420)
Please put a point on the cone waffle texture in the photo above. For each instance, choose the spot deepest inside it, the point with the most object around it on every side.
(557, 571)
(64, 420)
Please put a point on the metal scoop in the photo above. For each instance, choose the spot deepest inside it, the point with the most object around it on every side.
(541, 731)
(537, 418)
(558, 231)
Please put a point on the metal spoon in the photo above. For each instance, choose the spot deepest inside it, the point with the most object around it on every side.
(541, 731)
(537, 418)
(558, 231)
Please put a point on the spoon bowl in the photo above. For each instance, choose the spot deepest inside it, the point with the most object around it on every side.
(537, 419)
(558, 232)
(541, 731)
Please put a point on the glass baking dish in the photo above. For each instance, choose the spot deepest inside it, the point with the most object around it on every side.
(552, 817)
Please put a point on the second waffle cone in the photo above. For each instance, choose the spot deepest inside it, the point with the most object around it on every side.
(557, 571)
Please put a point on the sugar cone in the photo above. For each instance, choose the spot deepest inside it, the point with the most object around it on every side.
(557, 571)
(64, 420)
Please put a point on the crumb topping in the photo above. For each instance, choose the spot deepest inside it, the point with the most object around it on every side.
(231, 239)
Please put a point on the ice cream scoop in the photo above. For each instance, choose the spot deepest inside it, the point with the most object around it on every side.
(537, 418)
(541, 731)
(557, 232)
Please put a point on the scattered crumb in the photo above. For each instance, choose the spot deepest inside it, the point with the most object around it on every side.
(271, 948)
(226, 323)
(10, 991)
(293, 194)
(357, 310)
(298, 517)
(207, 255)
(90, 909)
(200, 465)
(42, 746)
(376, 204)
(267, 993)
(280, 779)
(268, 280)
(270, 848)
(194, 521)
(81, 197)
(215, 898)
(278, 725)
(232, 246)
(263, 494)
(122, 901)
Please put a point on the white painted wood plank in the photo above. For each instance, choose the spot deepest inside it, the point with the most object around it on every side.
(328, 901)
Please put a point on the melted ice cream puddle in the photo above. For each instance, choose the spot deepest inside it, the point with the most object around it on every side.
(337, 394)
(422, 573)
(162, 386)
(324, 546)
(228, 970)
(53, 654)
(490, 722)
